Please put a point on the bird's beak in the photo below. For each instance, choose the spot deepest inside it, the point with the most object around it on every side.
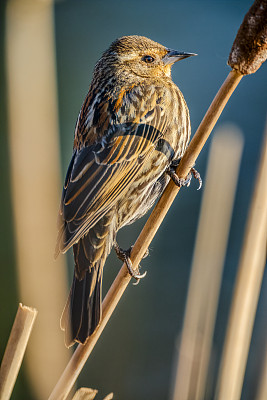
(173, 56)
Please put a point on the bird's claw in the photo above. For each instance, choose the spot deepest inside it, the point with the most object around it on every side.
(197, 176)
(124, 255)
(181, 181)
(146, 254)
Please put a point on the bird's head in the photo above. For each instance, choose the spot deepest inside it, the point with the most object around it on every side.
(140, 56)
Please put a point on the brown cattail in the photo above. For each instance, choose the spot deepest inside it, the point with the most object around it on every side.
(249, 49)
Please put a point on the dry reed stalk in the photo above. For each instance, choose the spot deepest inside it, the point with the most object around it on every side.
(35, 173)
(89, 394)
(246, 292)
(109, 397)
(15, 349)
(123, 278)
(85, 394)
(207, 265)
(119, 285)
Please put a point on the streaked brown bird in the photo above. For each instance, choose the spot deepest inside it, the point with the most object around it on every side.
(132, 129)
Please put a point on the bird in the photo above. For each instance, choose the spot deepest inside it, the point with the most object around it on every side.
(131, 132)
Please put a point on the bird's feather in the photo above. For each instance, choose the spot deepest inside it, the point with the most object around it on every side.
(101, 173)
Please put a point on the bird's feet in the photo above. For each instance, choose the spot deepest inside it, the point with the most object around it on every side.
(124, 255)
(180, 181)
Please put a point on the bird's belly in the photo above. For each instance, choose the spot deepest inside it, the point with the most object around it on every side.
(143, 192)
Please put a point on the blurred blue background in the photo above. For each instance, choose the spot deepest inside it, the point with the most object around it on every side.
(135, 356)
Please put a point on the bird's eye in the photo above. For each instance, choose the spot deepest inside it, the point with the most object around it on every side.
(148, 59)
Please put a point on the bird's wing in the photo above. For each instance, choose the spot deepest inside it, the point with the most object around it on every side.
(100, 174)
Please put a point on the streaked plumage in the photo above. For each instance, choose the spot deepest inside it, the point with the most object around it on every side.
(133, 123)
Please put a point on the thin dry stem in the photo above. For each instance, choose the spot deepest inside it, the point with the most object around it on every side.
(89, 394)
(85, 394)
(119, 285)
(15, 349)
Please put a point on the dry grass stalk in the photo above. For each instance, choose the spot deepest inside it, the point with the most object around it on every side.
(85, 394)
(109, 397)
(15, 349)
(207, 266)
(89, 394)
(246, 292)
(123, 278)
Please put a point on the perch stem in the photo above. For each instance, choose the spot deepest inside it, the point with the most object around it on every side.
(123, 278)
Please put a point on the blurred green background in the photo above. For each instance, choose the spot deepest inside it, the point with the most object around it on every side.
(135, 356)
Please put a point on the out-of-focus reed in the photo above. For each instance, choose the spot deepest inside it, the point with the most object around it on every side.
(35, 173)
(246, 292)
(208, 260)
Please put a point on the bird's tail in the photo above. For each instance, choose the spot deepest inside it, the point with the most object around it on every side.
(82, 312)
